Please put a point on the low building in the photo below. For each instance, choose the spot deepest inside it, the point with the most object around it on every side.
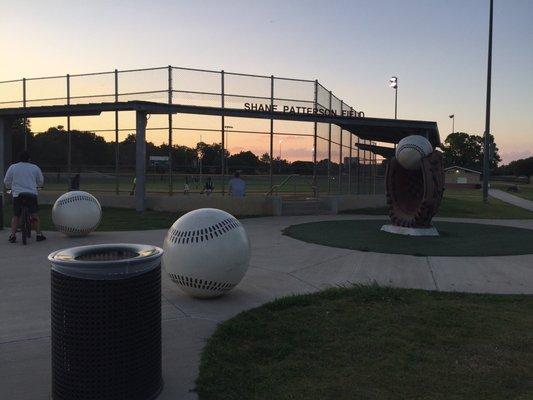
(461, 177)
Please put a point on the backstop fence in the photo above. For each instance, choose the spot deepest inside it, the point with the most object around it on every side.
(185, 151)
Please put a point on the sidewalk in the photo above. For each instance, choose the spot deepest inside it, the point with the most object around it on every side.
(511, 199)
(280, 266)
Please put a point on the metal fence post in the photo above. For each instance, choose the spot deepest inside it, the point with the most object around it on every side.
(370, 170)
(69, 156)
(170, 183)
(271, 132)
(223, 155)
(329, 146)
(25, 130)
(371, 155)
(350, 166)
(365, 169)
(341, 164)
(350, 163)
(140, 160)
(375, 171)
(117, 149)
(3, 165)
(362, 177)
(315, 143)
(358, 168)
(1, 209)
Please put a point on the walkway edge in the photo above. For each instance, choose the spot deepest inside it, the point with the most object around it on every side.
(511, 199)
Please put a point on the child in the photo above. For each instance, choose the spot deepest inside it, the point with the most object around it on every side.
(186, 188)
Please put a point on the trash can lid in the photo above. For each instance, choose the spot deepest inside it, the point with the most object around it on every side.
(106, 261)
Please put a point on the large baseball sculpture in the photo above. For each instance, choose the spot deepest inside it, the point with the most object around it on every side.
(76, 213)
(206, 252)
(414, 183)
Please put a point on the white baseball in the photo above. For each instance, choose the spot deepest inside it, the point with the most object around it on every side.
(411, 149)
(206, 252)
(76, 213)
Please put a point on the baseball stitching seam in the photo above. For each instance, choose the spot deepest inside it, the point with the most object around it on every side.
(204, 234)
(196, 283)
(76, 198)
(412, 146)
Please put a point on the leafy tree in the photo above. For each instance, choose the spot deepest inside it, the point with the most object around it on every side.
(127, 151)
(466, 150)
(211, 155)
(302, 167)
(49, 148)
(17, 140)
(280, 165)
(100, 151)
(183, 157)
(522, 167)
(246, 160)
(265, 158)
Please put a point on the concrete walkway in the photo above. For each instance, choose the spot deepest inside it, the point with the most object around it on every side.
(280, 266)
(511, 199)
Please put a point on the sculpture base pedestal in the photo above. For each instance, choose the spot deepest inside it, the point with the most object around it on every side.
(402, 230)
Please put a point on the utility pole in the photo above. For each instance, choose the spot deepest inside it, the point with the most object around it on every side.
(393, 83)
(486, 142)
(453, 122)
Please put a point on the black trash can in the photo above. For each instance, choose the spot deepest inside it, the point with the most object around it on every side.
(106, 322)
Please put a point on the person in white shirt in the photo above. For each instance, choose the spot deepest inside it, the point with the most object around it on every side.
(23, 178)
(237, 186)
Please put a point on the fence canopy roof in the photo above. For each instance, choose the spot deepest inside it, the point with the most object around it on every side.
(385, 152)
(375, 129)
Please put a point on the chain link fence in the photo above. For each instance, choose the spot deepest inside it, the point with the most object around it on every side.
(186, 151)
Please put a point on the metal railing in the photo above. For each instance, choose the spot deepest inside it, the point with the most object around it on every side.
(276, 188)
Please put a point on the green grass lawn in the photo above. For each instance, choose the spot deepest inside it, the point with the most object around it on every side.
(374, 343)
(113, 219)
(456, 239)
(524, 190)
(256, 184)
(464, 204)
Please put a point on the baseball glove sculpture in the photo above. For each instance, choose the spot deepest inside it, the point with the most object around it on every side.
(414, 195)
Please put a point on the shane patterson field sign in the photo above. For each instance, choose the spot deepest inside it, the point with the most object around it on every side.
(303, 110)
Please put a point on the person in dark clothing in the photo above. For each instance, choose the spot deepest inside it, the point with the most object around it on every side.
(208, 186)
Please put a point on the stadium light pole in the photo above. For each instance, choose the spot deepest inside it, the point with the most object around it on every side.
(453, 122)
(226, 127)
(393, 83)
(200, 155)
(280, 142)
(487, 112)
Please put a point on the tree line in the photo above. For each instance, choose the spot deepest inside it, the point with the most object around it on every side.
(466, 150)
(88, 149)
(522, 167)
(49, 149)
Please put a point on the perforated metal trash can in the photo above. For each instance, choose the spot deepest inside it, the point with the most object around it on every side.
(106, 322)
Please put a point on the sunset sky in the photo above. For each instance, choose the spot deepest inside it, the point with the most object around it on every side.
(438, 49)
